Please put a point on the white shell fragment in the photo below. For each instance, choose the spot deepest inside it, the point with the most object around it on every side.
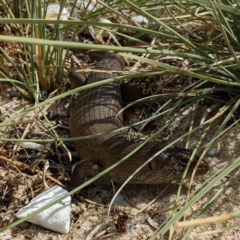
(212, 152)
(53, 12)
(55, 218)
(32, 145)
(140, 19)
(104, 20)
(187, 111)
(87, 5)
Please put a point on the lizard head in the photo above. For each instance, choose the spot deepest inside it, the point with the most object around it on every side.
(174, 161)
(182, 157)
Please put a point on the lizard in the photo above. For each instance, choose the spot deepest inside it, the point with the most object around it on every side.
(95, 112)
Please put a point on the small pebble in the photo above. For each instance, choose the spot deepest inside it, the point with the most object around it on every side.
(186, 112)
(119, 198)
(212, 152)
(32, 145)
(140, 19)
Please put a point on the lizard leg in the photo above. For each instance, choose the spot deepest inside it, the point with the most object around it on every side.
(83, 169)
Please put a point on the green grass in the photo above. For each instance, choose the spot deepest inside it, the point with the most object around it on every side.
(212, 58)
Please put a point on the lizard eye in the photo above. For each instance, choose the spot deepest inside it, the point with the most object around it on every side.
(183, 160)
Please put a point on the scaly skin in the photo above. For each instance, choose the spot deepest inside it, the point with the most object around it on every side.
(95, 112)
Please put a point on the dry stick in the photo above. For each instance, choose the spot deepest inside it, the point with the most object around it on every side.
(92, 202)
(38, 112)
(94, 230)
(214, 231)
(15, 200)
(155, 155)
(17, 163)
(18, 170)
(219, 63)
(197, 222)
(16, 146)
(20, 122)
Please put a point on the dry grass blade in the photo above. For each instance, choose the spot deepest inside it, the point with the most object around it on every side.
(188, 49)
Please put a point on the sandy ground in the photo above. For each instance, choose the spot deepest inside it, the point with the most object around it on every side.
(87, 217)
